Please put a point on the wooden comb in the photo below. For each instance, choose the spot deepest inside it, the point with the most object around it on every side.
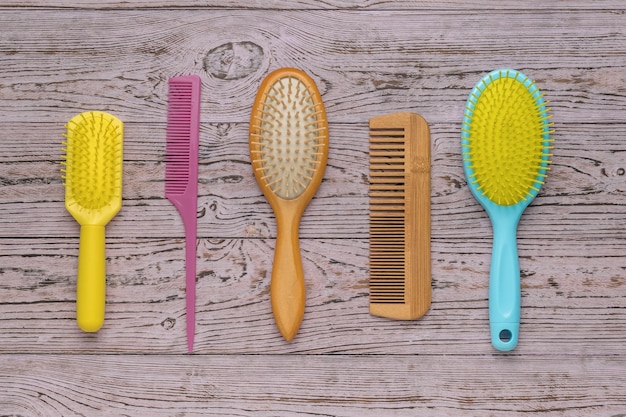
(400, 275)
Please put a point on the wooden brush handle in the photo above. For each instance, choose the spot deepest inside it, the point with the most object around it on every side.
(287, 289)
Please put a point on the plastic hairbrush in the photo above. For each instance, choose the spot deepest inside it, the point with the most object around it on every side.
(93, 195)
(506, 149)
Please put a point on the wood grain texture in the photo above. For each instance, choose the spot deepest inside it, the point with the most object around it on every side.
(272, 5)
(372, 60)
(344, 386)
(375, 57)
(145, 300)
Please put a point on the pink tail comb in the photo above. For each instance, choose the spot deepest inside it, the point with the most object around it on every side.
(181, 174)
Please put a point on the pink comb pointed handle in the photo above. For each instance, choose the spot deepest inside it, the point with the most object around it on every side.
(181, 175)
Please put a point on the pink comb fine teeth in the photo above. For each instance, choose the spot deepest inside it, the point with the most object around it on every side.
(181, 175)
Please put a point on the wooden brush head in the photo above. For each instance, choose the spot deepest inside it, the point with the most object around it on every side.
(288, 136)
(400, 270)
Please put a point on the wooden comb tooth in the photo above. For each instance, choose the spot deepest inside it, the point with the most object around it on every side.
(400, 266)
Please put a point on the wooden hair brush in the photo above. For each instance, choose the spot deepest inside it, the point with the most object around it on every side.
(288, 150)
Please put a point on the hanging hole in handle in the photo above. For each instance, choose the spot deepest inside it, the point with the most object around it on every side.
(505, 335)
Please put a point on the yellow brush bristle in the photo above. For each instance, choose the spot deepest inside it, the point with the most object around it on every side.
(289, 139)
(508, 149)
(93, 160)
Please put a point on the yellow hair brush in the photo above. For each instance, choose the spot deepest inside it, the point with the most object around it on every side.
(288, 149)
(93, 195)
(506, 147)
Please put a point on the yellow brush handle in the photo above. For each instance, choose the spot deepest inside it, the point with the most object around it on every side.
(287, 289)
(91, 282)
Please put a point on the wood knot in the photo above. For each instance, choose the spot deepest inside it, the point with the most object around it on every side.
(168, 323)
(233, 60)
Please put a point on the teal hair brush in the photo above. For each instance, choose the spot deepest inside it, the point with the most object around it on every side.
(506, 148)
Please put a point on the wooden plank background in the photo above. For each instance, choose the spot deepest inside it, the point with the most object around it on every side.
(368, 58)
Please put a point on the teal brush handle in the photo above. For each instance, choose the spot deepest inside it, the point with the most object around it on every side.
(504, 281)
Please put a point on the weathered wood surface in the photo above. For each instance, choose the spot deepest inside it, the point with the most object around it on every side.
(363, 62)
(369, 58)
(300, 385)
(454, 5)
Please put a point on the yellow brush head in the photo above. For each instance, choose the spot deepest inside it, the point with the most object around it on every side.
(93, 167)
(506, 138)
(289, 134)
